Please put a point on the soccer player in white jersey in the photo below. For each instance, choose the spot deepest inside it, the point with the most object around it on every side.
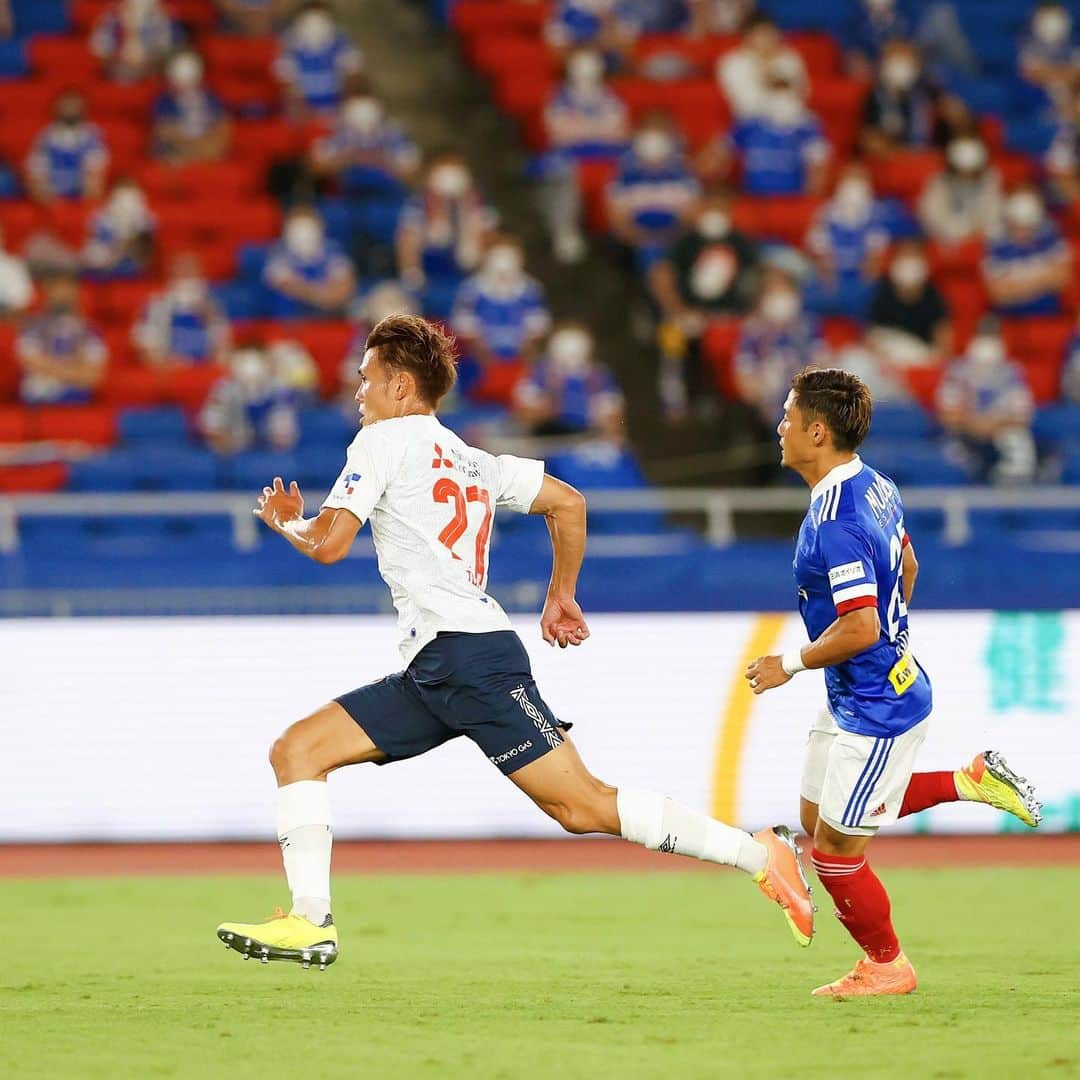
(855, 571)
(430, 499)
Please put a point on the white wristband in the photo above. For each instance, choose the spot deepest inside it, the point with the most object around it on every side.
(792, 661)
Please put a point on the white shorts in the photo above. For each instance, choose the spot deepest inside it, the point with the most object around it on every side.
(858, 781)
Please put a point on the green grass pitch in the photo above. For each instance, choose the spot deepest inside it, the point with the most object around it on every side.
(663, 975)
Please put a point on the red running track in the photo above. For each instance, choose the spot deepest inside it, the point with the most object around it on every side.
(495, 856)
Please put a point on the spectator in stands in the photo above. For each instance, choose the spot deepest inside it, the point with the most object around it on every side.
(317, 62)
(1062, 160)
(255, 17)
(444, 227)
(567, 391)
(899, 111)
(848, 242)
(584, 121)
(68, 159)
(500, 316)
(1027, 267)
(709, 17)
(307, 275)
(47, 252)
(190, 123)
(183, 324)
(963, 202)
(876, 23)
(7, 23)
(782, 147)
(386, 298)
(710, 272)
(250, 407)
(986, 408)
(609, 25)
(1048, 56)
(654, 190)
(133, 38)
(365, 151)
(1070, 375)
(776, 341)
(744, 73)
(296, 375)
(909, 321)
(16, 288)
(121, 234)
(61, 356)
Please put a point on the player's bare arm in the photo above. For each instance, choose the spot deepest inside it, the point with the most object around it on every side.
(326, 538)
(910, 569)
(563, 507)
(851, 633)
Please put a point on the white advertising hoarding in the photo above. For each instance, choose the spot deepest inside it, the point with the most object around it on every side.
(145, 729)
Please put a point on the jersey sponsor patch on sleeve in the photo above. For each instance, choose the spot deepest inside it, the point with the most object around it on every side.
(852, 571)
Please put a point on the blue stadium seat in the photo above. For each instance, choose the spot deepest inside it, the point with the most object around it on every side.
(241, 299)
(326, 427)
(1058, 423)
(251, 261)
(893, 420)
(40, 17)
(148, 468)
(159, 425)
(378, 219)
(13, 62)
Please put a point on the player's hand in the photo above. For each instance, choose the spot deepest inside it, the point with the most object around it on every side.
(562, 622)
(277, 507)
(765, 673)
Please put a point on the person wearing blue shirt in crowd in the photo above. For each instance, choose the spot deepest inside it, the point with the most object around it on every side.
(936, 29)
(610, 25)
(68, 159)
(189, 121)
(653, 192)
(777, 341)
(316, 62)
(566, 391)
(442, 231)
(1048, 55)
(254, 17)
(900, 111)
(1027, 267)
(133, 39)
(307, 275)
(985, 405)
(121, 234)
(365, 151)
(1062, 158)
(61, 356)
(783, 151)
(584, 121)
(500, 315)
(1070, 375)
(848, 242)
(183, 324)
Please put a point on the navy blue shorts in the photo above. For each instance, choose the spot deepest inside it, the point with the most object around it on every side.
(479, 685)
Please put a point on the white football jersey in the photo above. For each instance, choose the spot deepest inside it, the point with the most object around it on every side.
(431, 499)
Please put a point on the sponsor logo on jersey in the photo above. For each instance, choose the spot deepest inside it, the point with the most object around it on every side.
(851, 571)
(509, 755)
(350, 482)
(903, 674)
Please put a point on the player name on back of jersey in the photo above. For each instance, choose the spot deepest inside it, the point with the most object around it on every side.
(882, 498)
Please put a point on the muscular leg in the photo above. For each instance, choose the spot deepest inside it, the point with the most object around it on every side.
(301, 759)
(565, 790)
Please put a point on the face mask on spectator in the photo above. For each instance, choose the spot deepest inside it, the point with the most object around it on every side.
(1052, 26)
(986, 352)
(363, 114)
(711, 274)
(653, 146)
(189, 292)
(783, 106)
(250, 369)
(185, 72)
(449, 181)
(570, 350)
(291, 366)
(1023, 210)
(315, 29)
(503, 266)
(303, 237)
(714, 224)
(909, 271)
(585, 71)
(853, 198)
(966, 155)
(780, 306)
(899, 73)
(127, 207)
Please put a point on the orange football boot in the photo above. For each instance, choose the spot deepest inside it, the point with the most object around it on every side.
(868, 979)
(784, 882)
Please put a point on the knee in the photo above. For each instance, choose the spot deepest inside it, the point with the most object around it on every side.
(593, 811)
(288, 758)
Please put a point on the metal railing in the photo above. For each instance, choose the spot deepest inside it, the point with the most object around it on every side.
(717, 506)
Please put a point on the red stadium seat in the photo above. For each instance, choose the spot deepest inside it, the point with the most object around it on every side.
(232, 54)
(903, 175)
(718, 347)
(92, 424)
(472, 18)
(839, 332)
(189, 387)
(593, 179)
(499, 57)
(786, 218)
(133, 387)
(923, 383)
(13, 424)
(126, 103)
(62, 59)
(820, 53)
(33, 479)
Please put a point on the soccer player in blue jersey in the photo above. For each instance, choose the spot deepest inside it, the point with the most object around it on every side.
(855, 569)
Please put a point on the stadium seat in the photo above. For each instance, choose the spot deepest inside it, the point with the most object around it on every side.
(33, 479)
(159, 425)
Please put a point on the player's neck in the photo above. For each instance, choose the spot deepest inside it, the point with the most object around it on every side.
(813, 472)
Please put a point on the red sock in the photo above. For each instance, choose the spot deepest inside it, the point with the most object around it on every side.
(927, 789)
(862, 904)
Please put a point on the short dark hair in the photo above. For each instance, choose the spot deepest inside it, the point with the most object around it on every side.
(840, 400)
(424, 349)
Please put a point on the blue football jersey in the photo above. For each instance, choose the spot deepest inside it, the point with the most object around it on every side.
(850, 555)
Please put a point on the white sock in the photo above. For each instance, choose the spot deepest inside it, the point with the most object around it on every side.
(306, 837)
(661, 824)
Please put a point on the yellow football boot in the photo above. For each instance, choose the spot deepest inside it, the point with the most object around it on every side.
(989, 780)
(284, 937)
